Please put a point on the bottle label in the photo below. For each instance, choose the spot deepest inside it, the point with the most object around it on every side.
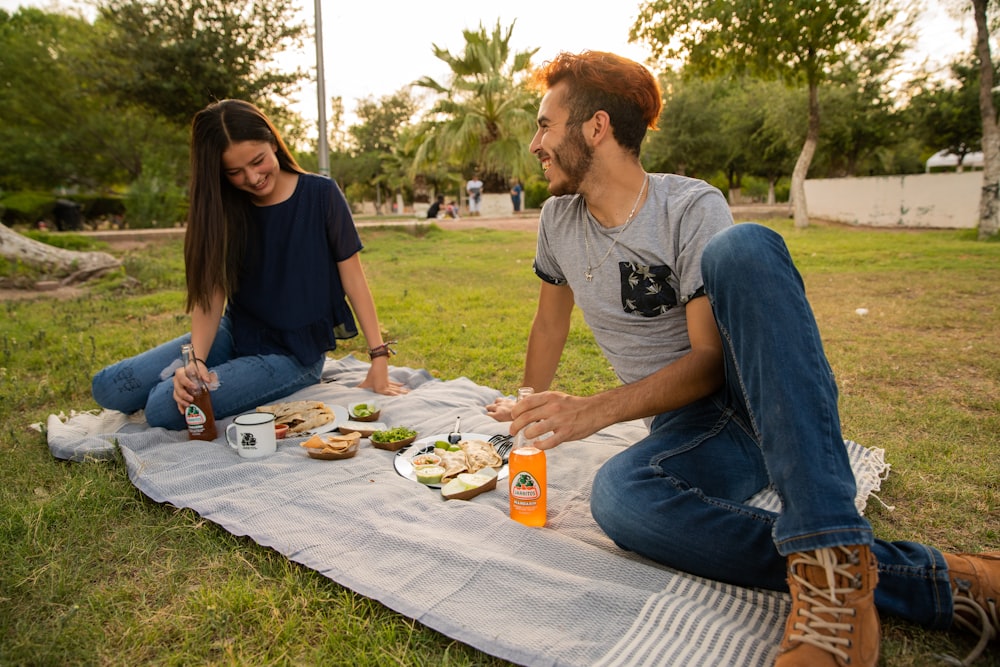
(525, 489)
(194, 417)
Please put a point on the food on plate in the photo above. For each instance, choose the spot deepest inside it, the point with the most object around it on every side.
(426, 460)
(469, 456)
(480, 454)
(448, 446)
(453, 462)
(429, 474)
(332, 446)
(301, 416)
(469, 485)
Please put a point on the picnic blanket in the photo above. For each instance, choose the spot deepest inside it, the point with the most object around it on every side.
(559, 595)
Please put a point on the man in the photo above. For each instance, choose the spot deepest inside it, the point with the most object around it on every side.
(707, 325)
(474, 190)
(515, 195)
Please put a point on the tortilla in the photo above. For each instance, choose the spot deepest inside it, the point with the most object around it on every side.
(452, 462)
(332, 443)
(480, 454)
(301, 416)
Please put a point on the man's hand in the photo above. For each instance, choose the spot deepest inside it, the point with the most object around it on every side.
(561, 416)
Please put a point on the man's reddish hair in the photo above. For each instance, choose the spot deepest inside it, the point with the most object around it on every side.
(598, 81)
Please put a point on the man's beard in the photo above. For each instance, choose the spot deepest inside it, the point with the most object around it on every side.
(574, 158)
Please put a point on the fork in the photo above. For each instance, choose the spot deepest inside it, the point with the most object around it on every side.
(503, 444)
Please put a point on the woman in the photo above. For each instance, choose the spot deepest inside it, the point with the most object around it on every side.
(270, 253)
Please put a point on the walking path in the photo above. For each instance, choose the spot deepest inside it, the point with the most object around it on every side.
(522, 222)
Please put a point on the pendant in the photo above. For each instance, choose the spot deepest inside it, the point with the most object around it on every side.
(588, 275)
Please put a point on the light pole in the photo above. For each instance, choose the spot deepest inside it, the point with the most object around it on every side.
(323, 147)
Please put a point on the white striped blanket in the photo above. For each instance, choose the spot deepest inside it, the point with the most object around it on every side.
(561, 595)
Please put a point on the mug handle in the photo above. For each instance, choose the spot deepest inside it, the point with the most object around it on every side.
(229, 441)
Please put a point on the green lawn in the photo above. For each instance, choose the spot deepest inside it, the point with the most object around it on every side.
(95, 573)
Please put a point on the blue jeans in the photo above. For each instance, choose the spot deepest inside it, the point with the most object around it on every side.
(679, 495)
(145, 382)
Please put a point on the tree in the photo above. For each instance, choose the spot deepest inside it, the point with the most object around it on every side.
(989, 200)
(687, 142)
(947, 113)
(176, 56)
(485, 116)
(762, 127)
(861, 113)
(797, 41)
(62, 131)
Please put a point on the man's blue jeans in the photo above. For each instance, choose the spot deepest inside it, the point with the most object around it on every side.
(145, 382)
(679, 495)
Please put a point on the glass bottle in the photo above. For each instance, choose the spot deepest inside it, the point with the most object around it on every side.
(199, 416)
(526, 468)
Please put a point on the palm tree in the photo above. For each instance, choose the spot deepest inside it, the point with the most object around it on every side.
(485, 118)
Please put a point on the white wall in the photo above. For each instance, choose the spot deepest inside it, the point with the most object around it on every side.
(945, 201)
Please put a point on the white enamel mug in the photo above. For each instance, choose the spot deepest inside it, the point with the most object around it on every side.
(254, 435)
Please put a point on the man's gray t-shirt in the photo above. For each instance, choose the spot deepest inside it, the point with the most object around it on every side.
(634, 303)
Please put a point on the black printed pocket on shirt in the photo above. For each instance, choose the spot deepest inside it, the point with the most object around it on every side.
(646, 290)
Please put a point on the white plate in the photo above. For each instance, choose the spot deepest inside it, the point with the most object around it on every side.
(403, 460)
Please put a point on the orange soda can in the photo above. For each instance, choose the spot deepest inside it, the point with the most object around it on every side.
(526, 468)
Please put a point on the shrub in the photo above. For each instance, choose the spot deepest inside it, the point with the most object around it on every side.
(155, 199)
(27, 207)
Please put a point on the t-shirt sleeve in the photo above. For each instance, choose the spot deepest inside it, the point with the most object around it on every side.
(340, 229)
(546, 266)
(707, 215)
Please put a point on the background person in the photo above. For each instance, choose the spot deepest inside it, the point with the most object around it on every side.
(708, 327)
(270, 254)
(515, 195)
(474, 190)
(434, 210)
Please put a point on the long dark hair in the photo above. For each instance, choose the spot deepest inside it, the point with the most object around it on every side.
(217, 223)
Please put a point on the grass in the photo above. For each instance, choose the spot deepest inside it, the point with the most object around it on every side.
(95, 573)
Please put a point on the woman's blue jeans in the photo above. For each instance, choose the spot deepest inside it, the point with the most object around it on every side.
(679, 495)
(146, 381)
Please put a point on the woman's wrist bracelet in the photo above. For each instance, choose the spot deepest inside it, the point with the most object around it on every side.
(382, 350)
(201, 361)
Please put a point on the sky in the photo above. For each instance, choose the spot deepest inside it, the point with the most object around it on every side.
(373, 48)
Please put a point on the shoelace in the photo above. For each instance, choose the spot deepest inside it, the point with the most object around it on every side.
(976, 619)
(817, 631)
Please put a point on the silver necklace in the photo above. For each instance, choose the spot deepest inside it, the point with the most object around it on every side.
(589, 275)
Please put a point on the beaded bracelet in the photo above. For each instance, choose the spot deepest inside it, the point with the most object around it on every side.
(382, 350)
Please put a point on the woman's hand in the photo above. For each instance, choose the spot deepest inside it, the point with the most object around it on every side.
(500, 409)
(183, 389)
(184, 386)
(378, 379)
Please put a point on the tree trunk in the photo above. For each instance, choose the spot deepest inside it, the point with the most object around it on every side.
(989, 198)
(69, 266)
(805, 159)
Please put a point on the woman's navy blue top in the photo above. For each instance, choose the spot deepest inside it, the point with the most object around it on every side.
(290, 299)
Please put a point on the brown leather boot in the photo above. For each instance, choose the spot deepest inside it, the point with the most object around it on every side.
(833, 619)
(975, 589)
